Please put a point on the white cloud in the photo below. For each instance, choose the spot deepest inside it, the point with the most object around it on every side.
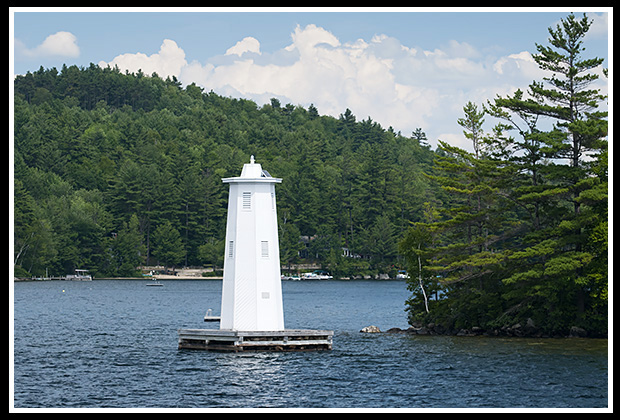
(247, 44)
(518, 65)
(307, 39)
(600, 26)
(396, 85)
(60, 44)
(167, 62)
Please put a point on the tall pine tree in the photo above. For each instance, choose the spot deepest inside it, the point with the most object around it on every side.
(523, 233)
(557, 263)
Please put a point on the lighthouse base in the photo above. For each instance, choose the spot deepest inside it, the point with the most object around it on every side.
(231, 340)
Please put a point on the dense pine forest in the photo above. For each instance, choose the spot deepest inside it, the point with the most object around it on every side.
(115, 170)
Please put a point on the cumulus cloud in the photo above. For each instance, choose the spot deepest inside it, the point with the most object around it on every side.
(168, 61)
(247, 44)
(317, 68)
(520, 65)
(60, 44)
(397, 85)
(600, 26)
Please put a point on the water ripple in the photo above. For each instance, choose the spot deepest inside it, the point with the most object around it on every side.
(114, 344)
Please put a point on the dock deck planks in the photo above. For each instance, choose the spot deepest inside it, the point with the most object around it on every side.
(231, 340)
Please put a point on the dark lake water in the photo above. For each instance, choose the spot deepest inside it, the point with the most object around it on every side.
(113, 343)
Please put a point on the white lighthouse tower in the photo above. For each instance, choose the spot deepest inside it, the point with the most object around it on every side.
(252, 290)
(251, 317)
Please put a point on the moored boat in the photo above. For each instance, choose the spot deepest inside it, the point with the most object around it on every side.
(79, 275)
(317, 275)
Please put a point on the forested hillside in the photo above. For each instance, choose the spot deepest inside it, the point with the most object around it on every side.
(116, 170)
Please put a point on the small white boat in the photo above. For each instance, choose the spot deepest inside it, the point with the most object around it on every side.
(155, 283)
(79, 275)
(316, 275)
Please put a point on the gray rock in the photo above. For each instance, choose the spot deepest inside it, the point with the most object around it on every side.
(370, 329)
(577, 332)
(530, 328)
(394, 330)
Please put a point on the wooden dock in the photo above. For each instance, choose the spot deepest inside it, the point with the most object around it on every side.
(235, 341)
(209, 317)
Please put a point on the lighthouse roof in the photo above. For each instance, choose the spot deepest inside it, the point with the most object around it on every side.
(253, 172)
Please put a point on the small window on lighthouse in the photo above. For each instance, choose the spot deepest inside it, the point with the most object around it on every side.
(264, 249)
(231, 249)
(247, 200)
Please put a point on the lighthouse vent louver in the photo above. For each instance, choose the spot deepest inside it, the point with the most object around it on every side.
(247, 200)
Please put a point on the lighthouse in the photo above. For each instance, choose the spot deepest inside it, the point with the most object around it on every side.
(251, 289)
(251, 317)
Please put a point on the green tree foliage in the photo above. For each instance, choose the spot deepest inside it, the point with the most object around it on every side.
(109, 165)
(523, 233)
(167, 245)
(126, 249)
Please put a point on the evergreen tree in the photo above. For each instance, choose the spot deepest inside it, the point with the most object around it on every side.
(127, 249)
(167, 245)
(557, 253)
(523, 234)
(461, 244)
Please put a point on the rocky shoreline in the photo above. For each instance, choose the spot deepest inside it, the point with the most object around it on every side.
(528, 330)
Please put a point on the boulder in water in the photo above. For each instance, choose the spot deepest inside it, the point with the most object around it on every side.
(370, 329)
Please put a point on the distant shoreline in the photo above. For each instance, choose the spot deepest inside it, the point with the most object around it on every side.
(22, 279)
(169, 277)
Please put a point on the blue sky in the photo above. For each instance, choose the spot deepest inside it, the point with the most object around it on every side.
(405, 68)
